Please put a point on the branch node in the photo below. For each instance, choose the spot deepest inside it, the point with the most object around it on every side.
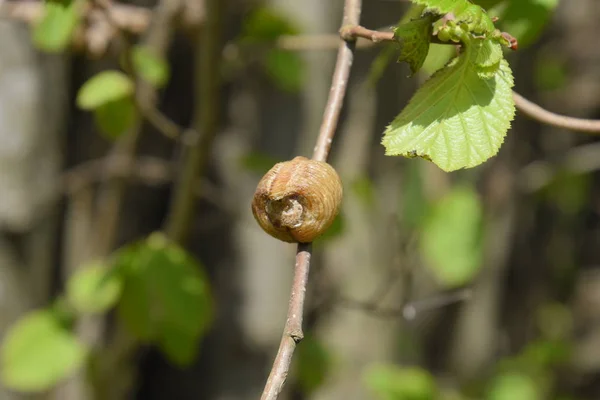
(348, 33)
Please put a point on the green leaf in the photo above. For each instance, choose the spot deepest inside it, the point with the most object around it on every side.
(489, 54)
(463, 13)
(439, 55)
(54, 31)
(116, 117)
(38, 352)
(149, 66)
(265, 24)
(285, 69)
(526, 19)
(391, 382)
(459, 117)
(180, 346)
(105, 87)
(451, 242)
(166, 297)
(513, 386)
(445, 6)
(312, 363)
(414, 38)
(487, 4)
(93, 289)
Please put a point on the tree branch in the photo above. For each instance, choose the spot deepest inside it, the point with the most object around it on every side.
(293, 332)
(527, 107)
(352, 32)
(205, 123)
(540, 114)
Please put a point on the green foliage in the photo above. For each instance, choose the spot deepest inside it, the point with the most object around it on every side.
(445, 6)
(312, 363)
(105, 87)
(451, 241)
(93, 289)
(285, 69)
(525, 19)
(438, 57)
(150, 67)
(465, 15)
(512, 386)
(459, 117)
(39, 351)
(54, 31)
(166, 297)
(390, 382)
(115, 117)
(414, 37)
(264, 24)
(487, 4)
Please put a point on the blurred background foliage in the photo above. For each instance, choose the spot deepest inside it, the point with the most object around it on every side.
(479, 284)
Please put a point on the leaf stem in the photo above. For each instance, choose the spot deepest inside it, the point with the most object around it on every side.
(293, 333)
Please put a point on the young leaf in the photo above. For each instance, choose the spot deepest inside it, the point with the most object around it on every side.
(459, 117)
(54, 31)
(414, 38)
(150, 67)
(392, 382)
(166, 298)
(114, 118)
(439, 55)
(514, 386)
(445, 6)
(103, 88)
(451, 242)
(38, 352)
(93, 289)
(463, 12)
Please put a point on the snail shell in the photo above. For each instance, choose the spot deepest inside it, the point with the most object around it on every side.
(297, 200)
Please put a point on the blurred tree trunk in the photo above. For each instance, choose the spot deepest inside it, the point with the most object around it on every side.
(33, 104)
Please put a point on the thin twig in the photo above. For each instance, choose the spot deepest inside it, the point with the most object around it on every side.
(205, 123)
(410, 310)
(293, 333)
(129, 18)
(356, 31)
(540, 114)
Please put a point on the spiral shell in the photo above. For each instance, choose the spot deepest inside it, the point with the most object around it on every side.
(297, 200)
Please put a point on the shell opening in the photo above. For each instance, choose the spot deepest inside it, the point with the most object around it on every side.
(285, 213)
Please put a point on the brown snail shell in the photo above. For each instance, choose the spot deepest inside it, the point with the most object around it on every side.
(297, 200)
